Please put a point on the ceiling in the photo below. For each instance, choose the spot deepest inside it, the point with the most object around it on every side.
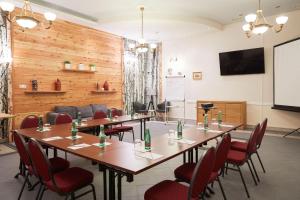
(165, 18)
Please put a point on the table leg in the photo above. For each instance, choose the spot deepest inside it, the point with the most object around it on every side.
(141, 125)
(144, 126)
(184, 158)
(119, 187)
(104, 185)
(112, 194)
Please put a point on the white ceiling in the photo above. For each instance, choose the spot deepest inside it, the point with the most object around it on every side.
(165, 18)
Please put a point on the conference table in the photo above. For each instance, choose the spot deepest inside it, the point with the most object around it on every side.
(121, 159)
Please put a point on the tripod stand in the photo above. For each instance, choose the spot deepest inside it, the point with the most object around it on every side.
(151, 104)
(294, 131)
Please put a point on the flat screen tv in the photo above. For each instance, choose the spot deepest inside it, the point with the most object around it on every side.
(250, 61)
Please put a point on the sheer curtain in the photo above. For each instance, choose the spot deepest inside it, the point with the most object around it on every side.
(141, 76)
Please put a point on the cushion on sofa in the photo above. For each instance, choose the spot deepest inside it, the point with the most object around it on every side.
(99, 107)
(71, 110)
(86, 111)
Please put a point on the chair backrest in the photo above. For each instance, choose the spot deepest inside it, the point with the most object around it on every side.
(202, 173)
(100, 115)
(116, 112)
(39, 160)
(262, 131)
(31, 121)
(22, 148)
(139, 106)
(221, 152)
(63, 118)
(251, 148)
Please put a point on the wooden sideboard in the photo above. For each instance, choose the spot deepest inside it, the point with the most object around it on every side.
(233, 111)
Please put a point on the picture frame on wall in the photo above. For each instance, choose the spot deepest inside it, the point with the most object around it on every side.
(197, 75)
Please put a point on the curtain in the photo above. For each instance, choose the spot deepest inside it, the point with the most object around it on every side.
(141, 76)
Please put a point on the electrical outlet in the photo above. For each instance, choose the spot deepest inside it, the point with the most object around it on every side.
(22, 86)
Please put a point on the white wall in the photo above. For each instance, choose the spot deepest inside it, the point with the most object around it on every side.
(201, 53)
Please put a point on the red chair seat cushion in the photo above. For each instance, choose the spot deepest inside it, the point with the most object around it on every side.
(185, 172)
(59, 164)
(239, 146)
(167, 190)
(123, 128)
(111, 132)
(236, 157)
(70, 180)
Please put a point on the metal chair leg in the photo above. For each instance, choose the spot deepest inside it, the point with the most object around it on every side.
(222, 190)
(67, 196)
(255, 172)
(239, 169)
(23, 186)
(261, 164)
(38, 194)
(42, 194)
(133, 134)
(251, 173)
(94, 192)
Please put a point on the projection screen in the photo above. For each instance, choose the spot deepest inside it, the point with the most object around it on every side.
(287, 76)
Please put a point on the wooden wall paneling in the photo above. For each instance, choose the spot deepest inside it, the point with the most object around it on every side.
(39, 54)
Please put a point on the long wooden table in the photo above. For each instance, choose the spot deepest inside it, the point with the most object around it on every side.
(119, 159)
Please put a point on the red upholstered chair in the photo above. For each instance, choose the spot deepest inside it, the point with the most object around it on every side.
(58, 164)
(239, 158)
(173, 190)
(63, 119)
(121, 129)
(30, 121)
(66, 182)
(184, 172)
(110, 131)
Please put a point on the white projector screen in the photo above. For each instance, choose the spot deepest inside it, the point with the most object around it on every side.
(287, 76)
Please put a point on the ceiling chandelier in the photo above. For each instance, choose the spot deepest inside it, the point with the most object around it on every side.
(257, 23)
(25, 18)
(142, 46)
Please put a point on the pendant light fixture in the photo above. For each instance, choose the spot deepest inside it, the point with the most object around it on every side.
(25, 18)
(257, 23)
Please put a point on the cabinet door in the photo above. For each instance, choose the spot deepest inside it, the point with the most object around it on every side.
(233, 113)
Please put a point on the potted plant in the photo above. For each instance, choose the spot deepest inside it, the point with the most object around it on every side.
(93, 67)
(68, 65)
(80, 66)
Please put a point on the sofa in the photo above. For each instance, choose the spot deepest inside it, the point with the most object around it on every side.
(87, 112)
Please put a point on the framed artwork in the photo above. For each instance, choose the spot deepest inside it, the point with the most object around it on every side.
(197, 75)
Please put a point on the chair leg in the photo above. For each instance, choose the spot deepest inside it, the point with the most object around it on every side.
(72, 196)
(42, 194)
(133, 135)
(222, 190)
(251, 173)
(210, 190)
(255, 172)
(67, 196)
(239, 169)
(262, 166)
(38, 194)
(94, 192)
(23, 186)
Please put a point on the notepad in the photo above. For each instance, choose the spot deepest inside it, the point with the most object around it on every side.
(52, 138)
(185, 141)
(149, 155)
(72, 138)
(214, 131)
(79, 146)
(45, 129)
(223, 125)
(82, 125)
(105, 144)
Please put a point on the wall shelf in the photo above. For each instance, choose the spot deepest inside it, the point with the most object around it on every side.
(103, 92)
(45, 92)
(80, 71)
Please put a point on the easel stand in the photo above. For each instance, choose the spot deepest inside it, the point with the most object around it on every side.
(294, 131)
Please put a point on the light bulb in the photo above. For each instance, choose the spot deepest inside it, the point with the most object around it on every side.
(26, 22)
(260, 29)
(250, 18)
(282, 20)
(50, 16)
(7, 6)
(246, 27)
(153, 46)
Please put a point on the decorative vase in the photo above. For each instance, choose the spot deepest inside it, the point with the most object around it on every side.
(68, 66)
(106, 86)
(57, 85)
(34, 85)
(81, 66)
(93, 68)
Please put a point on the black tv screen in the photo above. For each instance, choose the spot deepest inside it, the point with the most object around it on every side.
(250, 61)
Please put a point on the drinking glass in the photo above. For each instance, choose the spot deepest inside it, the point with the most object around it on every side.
(137, 145)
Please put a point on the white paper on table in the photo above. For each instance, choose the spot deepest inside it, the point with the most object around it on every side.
(71, 137)
(45, 129)
(223, 125)
(82, 125)
(214, 131)
(79, 146)
(200, 128)
(52, 138)
(185, 141)
(105, 144)
(149, 155)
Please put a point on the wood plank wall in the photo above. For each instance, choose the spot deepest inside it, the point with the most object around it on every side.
(39, 54)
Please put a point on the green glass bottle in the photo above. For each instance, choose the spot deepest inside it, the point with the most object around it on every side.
(74, 130)
(41, 125)
(110, 115)
(102, 136)
(79, 119)
(205, 121)
(179, 130)
(147, 138)
(220, 117)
